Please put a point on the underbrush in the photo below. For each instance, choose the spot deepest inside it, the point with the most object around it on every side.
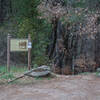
(6, 77)
(14, 72)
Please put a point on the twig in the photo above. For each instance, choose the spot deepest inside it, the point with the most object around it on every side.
(16, 78)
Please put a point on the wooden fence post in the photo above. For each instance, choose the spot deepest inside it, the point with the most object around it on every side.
(8, 53)
(29, 51)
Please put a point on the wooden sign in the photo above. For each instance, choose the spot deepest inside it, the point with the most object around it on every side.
(18, 45)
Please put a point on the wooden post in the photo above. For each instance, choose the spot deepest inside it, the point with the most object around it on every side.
(29, 52)
(8, 53)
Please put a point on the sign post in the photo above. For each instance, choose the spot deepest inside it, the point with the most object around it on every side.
(8, 53)
(29, 52)
(18, 45)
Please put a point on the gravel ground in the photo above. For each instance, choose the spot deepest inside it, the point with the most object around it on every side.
(81, 87)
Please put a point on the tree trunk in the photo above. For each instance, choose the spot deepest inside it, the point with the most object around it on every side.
(59, 49)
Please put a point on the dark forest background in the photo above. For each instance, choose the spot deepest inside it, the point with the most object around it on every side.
(65, 33)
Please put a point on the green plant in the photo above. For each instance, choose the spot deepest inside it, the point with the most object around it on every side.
(98, 74)
(13, 69)
(7, 76)
(84, 73)
(3, 69)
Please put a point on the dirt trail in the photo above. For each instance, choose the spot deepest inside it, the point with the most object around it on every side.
(81, 87)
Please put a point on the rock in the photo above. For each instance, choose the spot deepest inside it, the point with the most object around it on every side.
(44, 67)
(39, 72)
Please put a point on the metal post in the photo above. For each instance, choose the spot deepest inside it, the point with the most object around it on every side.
(8, 53)
(29, 52)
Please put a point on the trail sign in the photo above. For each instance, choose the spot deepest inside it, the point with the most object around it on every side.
(29, 45)
(18, 45)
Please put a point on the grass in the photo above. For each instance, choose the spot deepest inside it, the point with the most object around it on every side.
(13, 70)
(7, 76)
(3, 69)
(85, 73)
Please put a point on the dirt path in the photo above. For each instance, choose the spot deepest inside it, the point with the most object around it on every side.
(82, 87)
